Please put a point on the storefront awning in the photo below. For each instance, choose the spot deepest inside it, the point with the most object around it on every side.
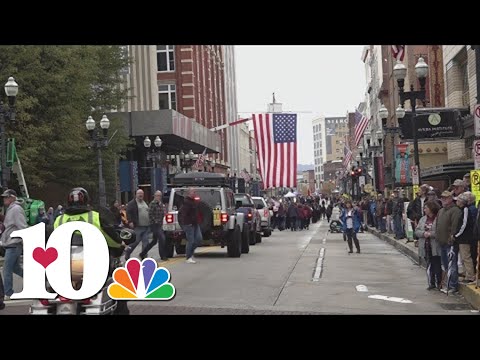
(177, 131)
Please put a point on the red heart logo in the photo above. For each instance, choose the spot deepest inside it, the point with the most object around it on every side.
(45, 257)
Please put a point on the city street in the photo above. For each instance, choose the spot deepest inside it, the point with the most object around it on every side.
(307, 272)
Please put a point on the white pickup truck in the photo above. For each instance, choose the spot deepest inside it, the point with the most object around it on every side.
(265, 213)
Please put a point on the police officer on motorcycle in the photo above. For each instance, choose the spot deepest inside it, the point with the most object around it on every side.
(78, 209)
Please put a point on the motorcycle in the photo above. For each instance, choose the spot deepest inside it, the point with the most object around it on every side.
(335, 226)
(99, 304)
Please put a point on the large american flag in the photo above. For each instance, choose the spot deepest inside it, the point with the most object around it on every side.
(398, 52)
(276, 140)
(361, 123)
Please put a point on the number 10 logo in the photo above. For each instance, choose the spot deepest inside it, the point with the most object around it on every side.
(54, 261)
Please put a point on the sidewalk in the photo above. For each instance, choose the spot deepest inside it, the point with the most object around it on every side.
(469, 292)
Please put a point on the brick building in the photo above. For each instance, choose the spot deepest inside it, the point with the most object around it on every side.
(435, 98)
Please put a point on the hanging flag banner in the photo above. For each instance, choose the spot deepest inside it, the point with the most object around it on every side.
(402, 164)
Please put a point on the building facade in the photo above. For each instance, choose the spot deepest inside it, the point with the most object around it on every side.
(388, 94)
(236, 159)
(319, 147)
(197, 81)
(335, 131)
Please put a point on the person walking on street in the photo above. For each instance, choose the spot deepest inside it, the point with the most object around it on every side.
(14, 220)
(188, 220)
(351, 225)
(138, 218)
(428, 246)
(397, 212)
(292, 216)
(156, 213)
(2, 289)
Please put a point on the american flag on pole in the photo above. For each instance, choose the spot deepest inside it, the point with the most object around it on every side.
(347, 155)
(201, 159)
(276, 141)
(361, 123)
(398, 52)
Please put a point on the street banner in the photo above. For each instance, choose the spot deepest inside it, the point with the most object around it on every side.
(402, 164)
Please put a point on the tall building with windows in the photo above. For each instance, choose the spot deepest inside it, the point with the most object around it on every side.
(319, 147)
(197, 81)
(335, 130)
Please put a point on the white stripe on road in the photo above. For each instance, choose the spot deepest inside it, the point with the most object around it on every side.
(361, 288)
(388, 298)
(319, 268)
(324, 241)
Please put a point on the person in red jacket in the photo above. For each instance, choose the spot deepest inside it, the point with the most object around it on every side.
(300, 217)
(307, 213)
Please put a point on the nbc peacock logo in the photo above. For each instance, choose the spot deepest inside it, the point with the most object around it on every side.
(141, 281)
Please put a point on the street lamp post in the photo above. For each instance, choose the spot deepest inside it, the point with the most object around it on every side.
(153, 155)
(98, 141)
(400, 72)
(186, 160)
(7, 115)
(392, 131)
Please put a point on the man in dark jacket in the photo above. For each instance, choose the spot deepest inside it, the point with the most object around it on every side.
(139, 220)
(397, 213)
(415, 208)
(188, 220)
(156, 213)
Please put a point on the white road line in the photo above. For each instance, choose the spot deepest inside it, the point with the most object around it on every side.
(361, 288)
(324, 241)
(388, 298)
(319, 268)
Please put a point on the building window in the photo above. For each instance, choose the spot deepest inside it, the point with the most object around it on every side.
(165, 58)
(167, 98)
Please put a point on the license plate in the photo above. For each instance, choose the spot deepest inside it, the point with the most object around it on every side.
(67, 309)
(170, 227)
(216, 218)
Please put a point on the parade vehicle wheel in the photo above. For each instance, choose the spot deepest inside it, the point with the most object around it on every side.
(253, 238)
(180, 249)
(169, 247)
(234, 244)
(267, 233)
(245, 240)
(258, 237)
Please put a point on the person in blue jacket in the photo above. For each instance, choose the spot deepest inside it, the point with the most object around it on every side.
(351, 225)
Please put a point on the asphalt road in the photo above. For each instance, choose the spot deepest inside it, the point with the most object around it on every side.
(306, 272)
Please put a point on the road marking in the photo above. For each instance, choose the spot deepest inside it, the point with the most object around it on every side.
(179, 258)
(388, 298)
(361, 288)
(324, 241)
(319, 268)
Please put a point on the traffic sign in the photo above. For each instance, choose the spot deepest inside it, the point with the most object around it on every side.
(475, 182)
(476, 119)
(476, 153)
(415, 179)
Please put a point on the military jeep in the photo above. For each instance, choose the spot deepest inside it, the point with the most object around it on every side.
(219, 221)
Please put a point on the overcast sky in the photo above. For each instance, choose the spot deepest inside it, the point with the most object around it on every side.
(323, 80)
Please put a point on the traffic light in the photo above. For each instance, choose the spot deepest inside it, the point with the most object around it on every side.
(359, 171)
(353, 173)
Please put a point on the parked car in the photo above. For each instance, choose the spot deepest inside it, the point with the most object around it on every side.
(244, 204)
(266, 215)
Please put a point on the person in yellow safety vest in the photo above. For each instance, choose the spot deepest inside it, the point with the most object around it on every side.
(78, 209)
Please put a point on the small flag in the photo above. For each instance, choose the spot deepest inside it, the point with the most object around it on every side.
(361, 123)
(201, 159)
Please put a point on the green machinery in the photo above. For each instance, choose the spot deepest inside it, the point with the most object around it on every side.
(31, 206)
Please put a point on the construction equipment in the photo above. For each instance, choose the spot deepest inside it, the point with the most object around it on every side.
(30, 206)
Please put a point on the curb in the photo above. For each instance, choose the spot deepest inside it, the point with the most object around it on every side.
(469, 292)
